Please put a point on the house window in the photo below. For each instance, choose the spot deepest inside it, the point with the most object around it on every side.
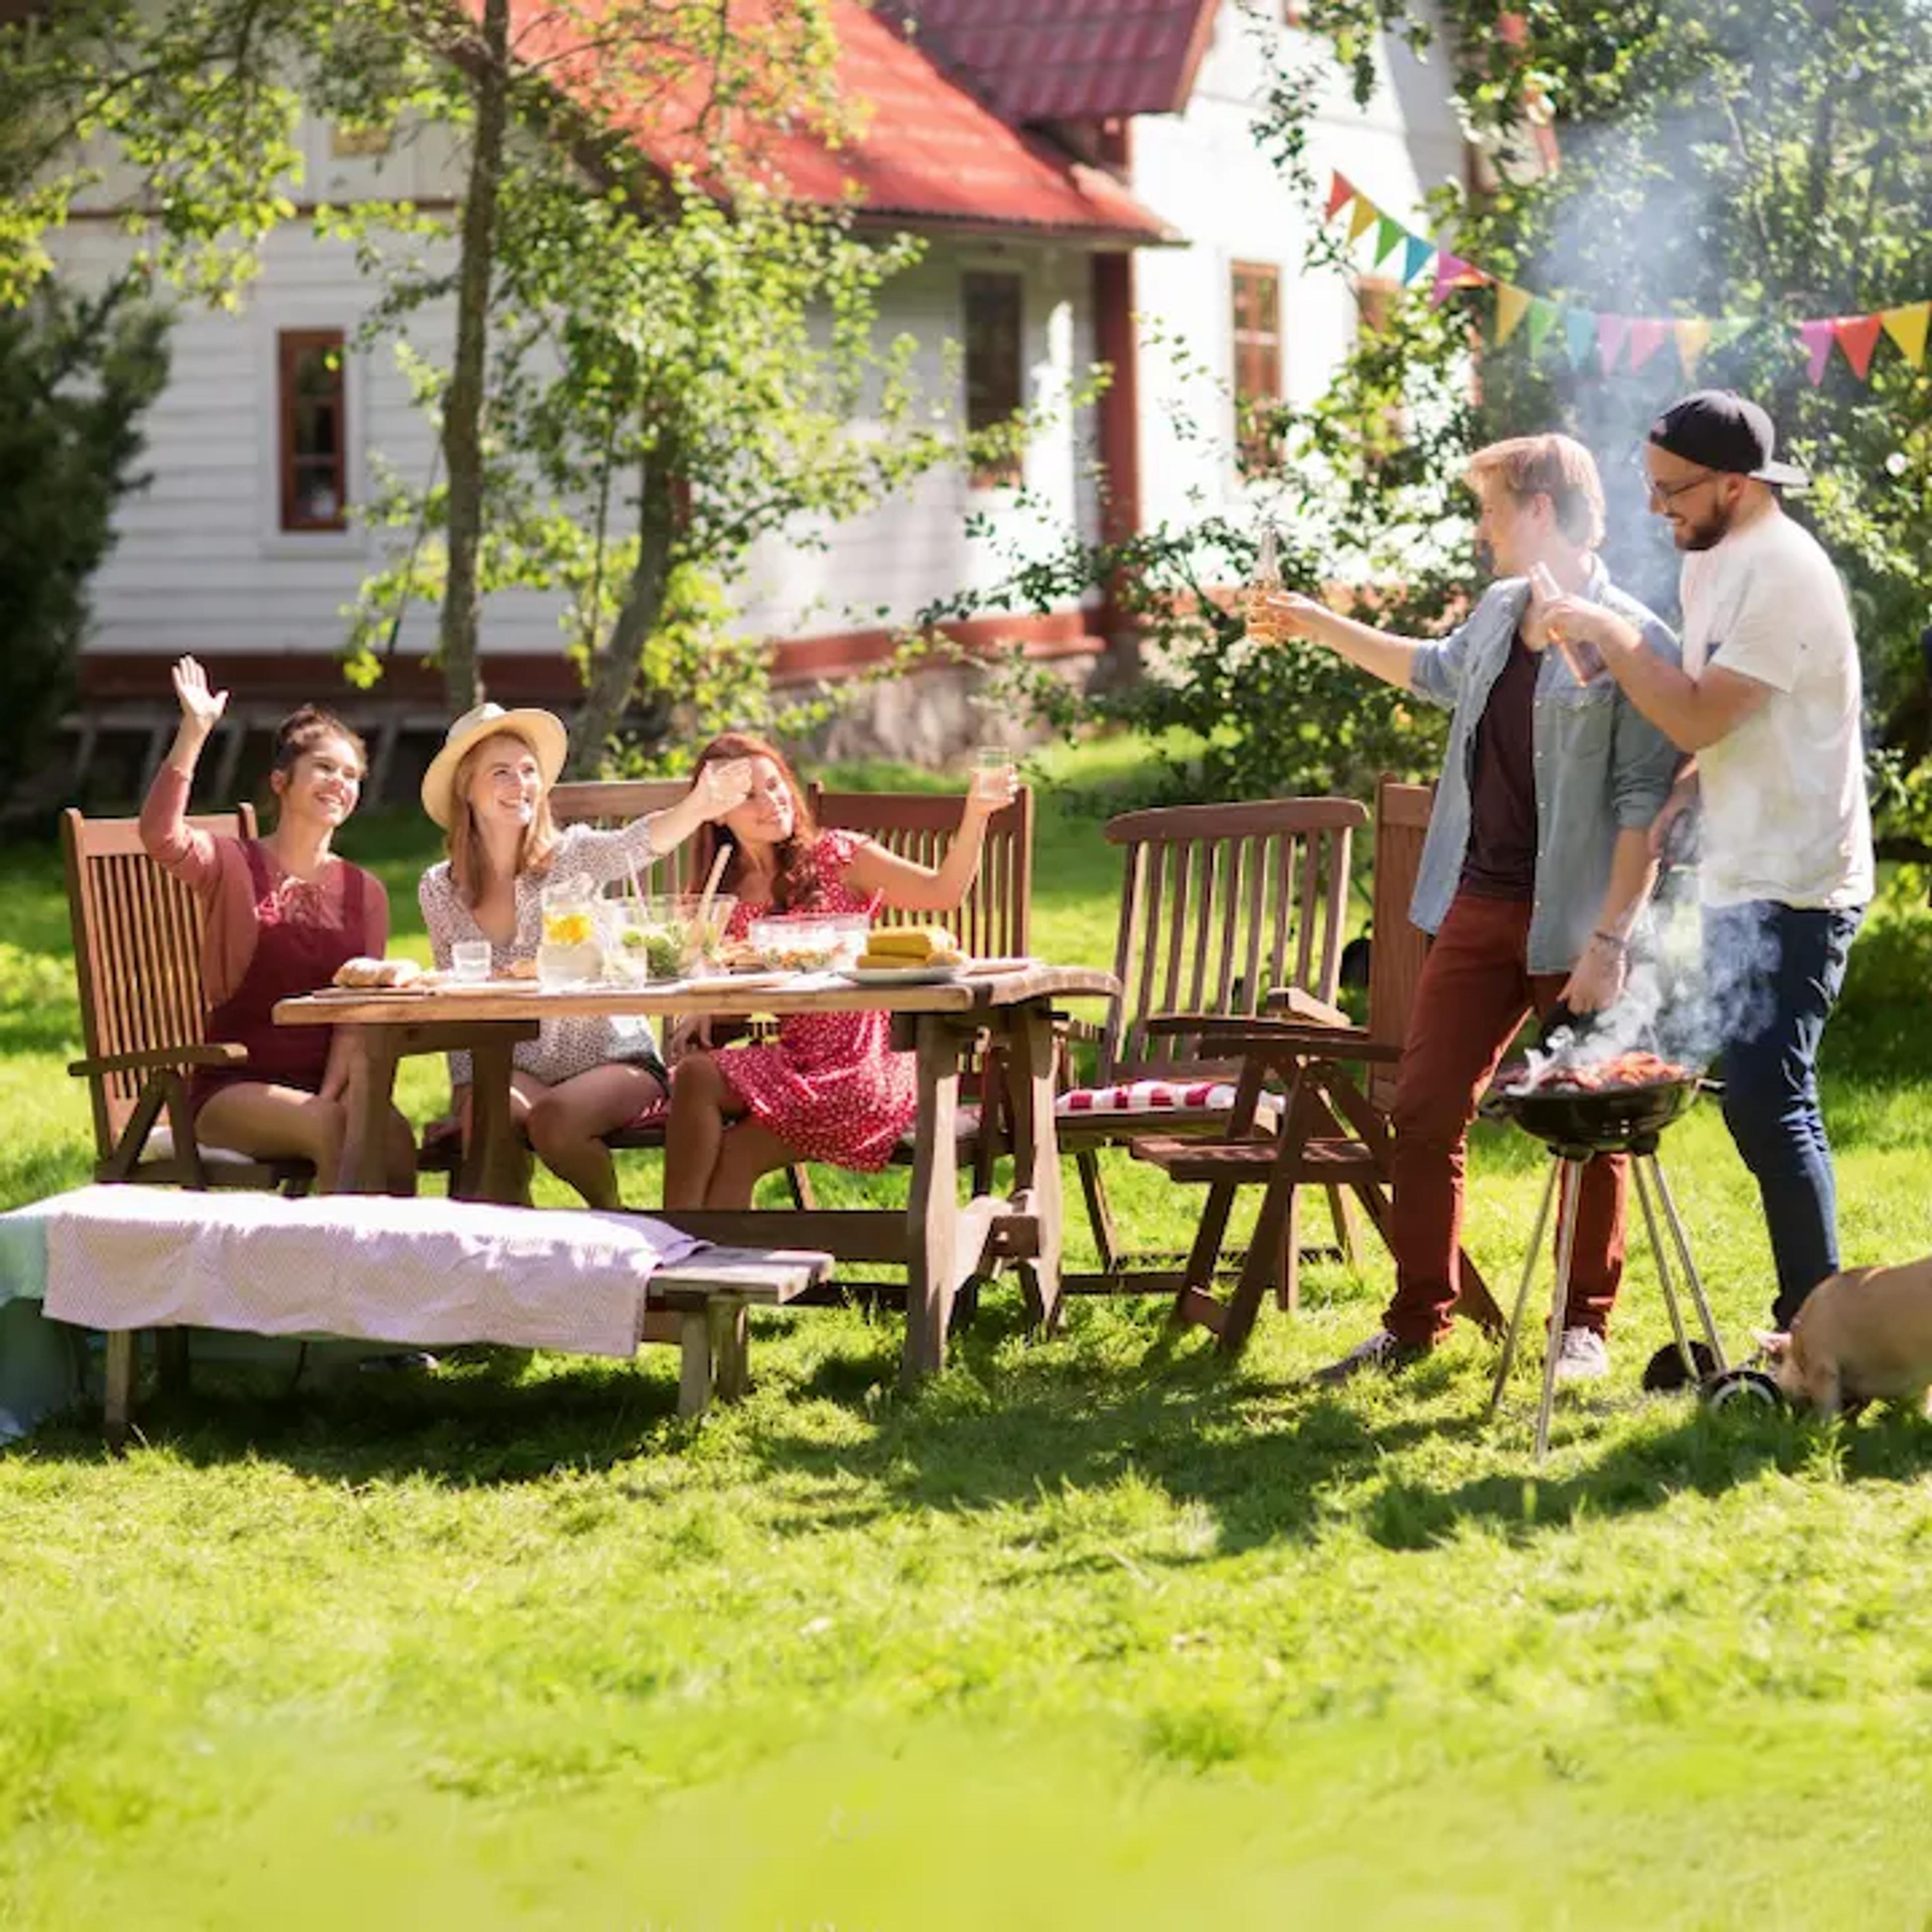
(995, 367)
(314, 438)
(1257, 360)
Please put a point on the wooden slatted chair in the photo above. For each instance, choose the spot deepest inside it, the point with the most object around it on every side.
(994, 921)
(1220, 905)
(1334, 1129)
(137, 937)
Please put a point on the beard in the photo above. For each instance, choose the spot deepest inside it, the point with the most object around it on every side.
(1707, 532)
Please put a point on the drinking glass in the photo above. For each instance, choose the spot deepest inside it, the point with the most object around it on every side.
(469, 960)
(993, 774)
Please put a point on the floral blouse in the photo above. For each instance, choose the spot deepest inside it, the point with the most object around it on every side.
(569, 1046)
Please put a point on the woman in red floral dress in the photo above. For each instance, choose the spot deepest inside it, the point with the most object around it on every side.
(830, 1088)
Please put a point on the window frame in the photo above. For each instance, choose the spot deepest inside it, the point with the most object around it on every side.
(1008, 473)
(292, 345)
(1252, 381)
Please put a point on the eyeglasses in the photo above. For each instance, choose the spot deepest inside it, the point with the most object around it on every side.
(1660, 494)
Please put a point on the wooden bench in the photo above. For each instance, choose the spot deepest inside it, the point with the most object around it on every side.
(421, 1273)
(710, 1297)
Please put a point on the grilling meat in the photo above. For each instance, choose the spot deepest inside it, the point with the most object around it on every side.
(1626, 1070)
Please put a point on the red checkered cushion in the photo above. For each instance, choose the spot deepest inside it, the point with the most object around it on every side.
(1156, 1096)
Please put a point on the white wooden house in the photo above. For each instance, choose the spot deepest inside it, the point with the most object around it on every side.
(1077, 196)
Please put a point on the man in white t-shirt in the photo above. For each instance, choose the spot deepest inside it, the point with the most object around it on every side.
(1768, 703)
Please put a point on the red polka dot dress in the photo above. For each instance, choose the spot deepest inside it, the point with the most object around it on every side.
(829, 1085)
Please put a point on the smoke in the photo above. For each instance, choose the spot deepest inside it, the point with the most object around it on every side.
(1695, 982)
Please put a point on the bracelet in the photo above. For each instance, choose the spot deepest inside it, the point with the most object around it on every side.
(1611, 939)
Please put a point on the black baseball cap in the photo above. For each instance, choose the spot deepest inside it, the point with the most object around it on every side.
(1721, 430)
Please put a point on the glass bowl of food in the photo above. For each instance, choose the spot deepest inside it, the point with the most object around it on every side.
(672, 936)
(794, 942)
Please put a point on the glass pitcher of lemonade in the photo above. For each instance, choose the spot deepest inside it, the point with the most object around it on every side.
(570, 951)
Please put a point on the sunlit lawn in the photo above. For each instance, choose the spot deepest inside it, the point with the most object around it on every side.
(1096, 1631)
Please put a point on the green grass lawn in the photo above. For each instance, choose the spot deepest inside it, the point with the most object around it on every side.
(1095, 1631)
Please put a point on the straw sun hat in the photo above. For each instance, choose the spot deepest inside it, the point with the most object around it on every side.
(542, 730)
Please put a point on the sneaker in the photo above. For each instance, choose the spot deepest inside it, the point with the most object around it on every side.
(1583, 1356)
(1381, 1353)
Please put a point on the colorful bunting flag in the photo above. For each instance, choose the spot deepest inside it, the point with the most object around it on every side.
(1693, 335)
(1817, 337)
(1906, 327)
(1629, 340)
(1858, 336)
(1512, 305)
(1646, 337)
(1451, 272)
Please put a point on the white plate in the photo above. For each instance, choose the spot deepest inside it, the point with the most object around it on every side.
(901, 976)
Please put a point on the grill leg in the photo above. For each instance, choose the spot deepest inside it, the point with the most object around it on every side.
(1572, 1171)
(1507, 1361)
(1638, 1165)
(1683, 1246)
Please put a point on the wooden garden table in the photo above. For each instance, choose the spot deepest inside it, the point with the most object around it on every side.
(941, 1243)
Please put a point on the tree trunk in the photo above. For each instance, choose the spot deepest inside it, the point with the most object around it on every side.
(612, 673)
(463, 411)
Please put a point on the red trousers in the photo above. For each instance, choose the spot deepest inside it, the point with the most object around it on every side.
(1475, 990)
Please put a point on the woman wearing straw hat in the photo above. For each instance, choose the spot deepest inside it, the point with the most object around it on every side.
(489, 789)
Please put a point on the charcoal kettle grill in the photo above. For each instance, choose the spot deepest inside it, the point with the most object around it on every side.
(1577, 1123)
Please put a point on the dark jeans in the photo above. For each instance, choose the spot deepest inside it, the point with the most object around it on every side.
(1774, 973)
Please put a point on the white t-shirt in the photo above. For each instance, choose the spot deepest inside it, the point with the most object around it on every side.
(1785, 813)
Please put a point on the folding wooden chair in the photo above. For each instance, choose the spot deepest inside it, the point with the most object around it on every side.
(1220, 905)
(137, 938)
(1333, 1128)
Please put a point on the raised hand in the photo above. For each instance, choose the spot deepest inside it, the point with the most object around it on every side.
(1275, 615)
(201, 708)
(725, 786)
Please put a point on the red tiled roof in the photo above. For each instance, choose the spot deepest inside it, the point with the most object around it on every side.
(927, 148)
(1074, 60)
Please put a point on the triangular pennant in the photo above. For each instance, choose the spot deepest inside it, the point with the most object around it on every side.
(1579, 335)
(1543, 315)
(1858, 336)
(1611, 330)
(1341, 192)
(1451, 272)
(1694, 336)
(1906, 327)
(1389, 235)
(1646, 337)
(1817, 338)
(1512, 305)
(1365, 216)
(1416, 257)
(1727, 328)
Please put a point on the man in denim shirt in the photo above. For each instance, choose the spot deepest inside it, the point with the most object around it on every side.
(1536, 864)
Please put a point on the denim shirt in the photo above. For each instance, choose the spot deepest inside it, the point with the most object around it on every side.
(1600, 767)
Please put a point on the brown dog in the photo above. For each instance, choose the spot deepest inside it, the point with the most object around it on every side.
(1864, 1336)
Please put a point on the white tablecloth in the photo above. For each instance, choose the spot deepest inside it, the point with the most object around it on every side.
(422, 1272)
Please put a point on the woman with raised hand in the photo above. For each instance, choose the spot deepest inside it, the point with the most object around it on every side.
(283, 914)
(831, 1087)
(489, 789)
